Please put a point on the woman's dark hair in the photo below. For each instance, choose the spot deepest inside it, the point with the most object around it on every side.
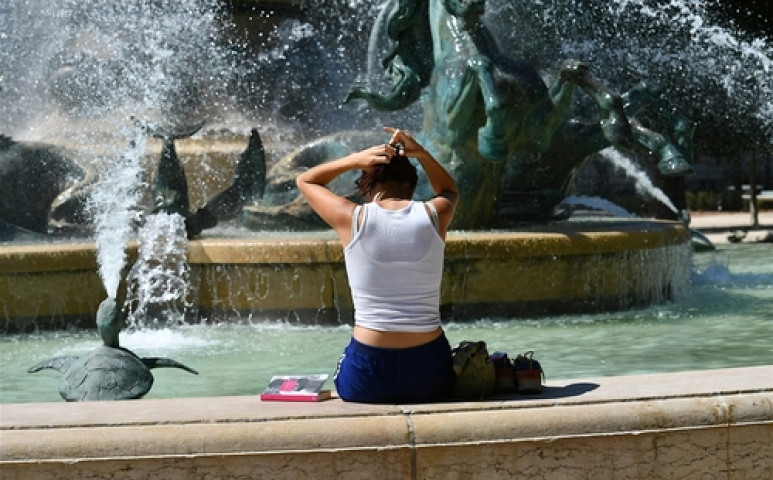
(399, 171)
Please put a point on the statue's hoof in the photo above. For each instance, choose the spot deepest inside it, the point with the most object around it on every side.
(674, 166)
(491, 147)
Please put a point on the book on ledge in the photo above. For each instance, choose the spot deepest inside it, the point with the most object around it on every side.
(296, 388)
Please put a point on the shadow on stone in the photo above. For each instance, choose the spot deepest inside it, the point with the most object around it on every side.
(548, 392)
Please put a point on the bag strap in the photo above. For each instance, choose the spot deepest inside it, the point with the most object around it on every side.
(462, 354)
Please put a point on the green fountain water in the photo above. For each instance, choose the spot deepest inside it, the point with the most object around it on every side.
(724, 322)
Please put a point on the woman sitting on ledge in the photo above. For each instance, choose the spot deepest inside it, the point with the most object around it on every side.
(394, 251)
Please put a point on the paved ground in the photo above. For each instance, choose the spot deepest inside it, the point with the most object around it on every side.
(719, 226)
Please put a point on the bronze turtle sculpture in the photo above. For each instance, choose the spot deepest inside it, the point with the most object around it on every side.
(109, 372)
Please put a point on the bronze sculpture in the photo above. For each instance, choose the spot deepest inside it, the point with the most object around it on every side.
(492, 120)
(109, 372)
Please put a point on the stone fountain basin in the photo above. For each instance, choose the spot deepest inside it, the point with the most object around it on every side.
(568, 267)
(572, 267)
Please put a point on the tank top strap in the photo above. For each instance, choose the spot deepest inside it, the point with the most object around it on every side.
(355, 218)
(433, 215)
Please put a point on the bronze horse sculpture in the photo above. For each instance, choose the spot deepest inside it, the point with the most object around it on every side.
(492, 120)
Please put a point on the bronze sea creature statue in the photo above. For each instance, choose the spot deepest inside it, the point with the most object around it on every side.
(170, 187)
(34, 178)
(109, 372)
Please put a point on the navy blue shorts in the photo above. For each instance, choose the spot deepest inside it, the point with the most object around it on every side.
(390, 375)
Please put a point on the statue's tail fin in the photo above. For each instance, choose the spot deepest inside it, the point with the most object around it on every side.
(249, 182)
(167, 132)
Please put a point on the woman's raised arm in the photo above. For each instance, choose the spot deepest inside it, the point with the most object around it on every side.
(335, 209)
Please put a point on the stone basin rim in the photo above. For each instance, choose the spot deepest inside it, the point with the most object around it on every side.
(313, 247)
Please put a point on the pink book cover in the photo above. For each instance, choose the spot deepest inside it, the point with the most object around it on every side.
(296, 388)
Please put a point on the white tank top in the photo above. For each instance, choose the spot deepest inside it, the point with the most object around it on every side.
(394, 263)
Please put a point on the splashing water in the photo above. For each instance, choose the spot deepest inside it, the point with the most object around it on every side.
(113, 202)
(598, 203)
(158, 283)
(163, 339)
(643, 182)
(74, 73)
(713, 72)
(100, 61)
(712, 53)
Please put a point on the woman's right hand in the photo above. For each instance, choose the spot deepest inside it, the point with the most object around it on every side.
(370, 157)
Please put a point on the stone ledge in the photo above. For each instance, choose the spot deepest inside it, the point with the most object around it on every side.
(678, 419)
